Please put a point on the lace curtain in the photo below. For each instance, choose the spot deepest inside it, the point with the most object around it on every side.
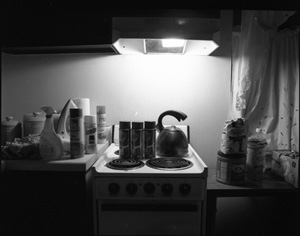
(265, 77)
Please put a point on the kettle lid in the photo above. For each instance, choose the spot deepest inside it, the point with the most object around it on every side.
(173, 128)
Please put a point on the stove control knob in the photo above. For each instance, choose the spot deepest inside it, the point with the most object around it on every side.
(185, 189)
(113, 188)
(149, 188)
(131, 188)
(167, 189)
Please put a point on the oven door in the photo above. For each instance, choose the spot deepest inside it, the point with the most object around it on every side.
(148, 217)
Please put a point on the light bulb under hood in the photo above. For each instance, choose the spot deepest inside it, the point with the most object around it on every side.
(173, 43)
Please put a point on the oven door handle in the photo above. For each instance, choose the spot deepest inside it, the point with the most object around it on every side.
(150, 207)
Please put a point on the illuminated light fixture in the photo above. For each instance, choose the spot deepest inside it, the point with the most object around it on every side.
(130, 46)
(166, 35)
(164, 46)
(173, 43)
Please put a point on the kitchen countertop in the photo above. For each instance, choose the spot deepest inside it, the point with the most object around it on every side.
(270, 184)
(79, 164)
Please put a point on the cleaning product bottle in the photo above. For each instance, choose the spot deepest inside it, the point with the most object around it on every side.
(137, 140)
(51, 146)
(101, 124)
(256, 155)
(150, 139)
(76, 133)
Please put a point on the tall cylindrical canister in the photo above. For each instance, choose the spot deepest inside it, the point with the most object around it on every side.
(101, 124)
(10, 129)
(231, 168)
(256, 155)
(33, 123)
(76, 133)
(125, 139)
(150, 139)
(90, 131)
(137, 140)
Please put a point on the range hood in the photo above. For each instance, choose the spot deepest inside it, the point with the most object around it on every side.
(161, 35)
(113, 32)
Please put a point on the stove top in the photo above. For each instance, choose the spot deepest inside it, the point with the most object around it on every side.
(169, 163)
(123, 164)
(110, 163)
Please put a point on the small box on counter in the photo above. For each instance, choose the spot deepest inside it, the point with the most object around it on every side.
(285, 163)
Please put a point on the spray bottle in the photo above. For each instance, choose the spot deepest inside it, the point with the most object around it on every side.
(51, 146)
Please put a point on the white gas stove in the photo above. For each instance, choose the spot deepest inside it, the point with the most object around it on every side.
(159, 196)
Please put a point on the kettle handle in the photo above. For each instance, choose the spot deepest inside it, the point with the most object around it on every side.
(177, 114)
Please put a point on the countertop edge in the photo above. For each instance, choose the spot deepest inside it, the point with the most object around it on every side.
(81, 164)
(269, 185)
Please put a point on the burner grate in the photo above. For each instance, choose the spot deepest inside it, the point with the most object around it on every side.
(125, 164)
(169, 163)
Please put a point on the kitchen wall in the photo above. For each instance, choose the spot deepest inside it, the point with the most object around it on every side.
(134, 88)
(131, 87)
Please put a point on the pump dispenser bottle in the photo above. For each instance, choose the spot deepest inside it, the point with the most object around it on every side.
(51, 146)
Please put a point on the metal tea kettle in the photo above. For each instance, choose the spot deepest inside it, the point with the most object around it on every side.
(171, 141)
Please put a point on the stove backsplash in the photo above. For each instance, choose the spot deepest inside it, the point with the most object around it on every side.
(135, 88)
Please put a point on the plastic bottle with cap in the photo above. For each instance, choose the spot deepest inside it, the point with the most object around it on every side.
(101, 124)
(51, 146)
(256, 152)
(90, 131)
(76, 133)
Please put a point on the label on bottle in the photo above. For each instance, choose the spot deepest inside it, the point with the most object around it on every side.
(101, 119)
(46, 149)
(90, 138)
(76, 137)
(101, 134)
(124, 143)
(137, 144)
(150, 144)
(101, 128)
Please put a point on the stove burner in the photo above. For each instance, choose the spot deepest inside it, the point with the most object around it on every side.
(169, 163)
(124, 164)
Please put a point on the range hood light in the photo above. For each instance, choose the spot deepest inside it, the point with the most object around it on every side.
(157, 46)
(188, 33)
(150, 46)
(173, 43)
